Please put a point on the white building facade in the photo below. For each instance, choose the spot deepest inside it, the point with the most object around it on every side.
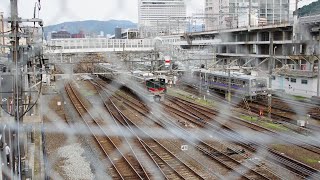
(213, 14)
(162, 16)
(298, 85)
(224, 14)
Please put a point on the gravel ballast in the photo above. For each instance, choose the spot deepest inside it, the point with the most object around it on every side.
(75, 165)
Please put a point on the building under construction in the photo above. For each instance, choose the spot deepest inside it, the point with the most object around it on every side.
(224, 14)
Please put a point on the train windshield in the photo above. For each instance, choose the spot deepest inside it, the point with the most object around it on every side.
(155, 84)
(259, 83)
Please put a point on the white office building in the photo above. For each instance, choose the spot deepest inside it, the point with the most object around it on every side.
(215, 14)
(222, 14)
(162, 16)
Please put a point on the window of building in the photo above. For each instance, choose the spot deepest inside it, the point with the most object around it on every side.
(304, 81)
(293, 80)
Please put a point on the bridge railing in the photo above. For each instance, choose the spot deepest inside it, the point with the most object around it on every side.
(310, 19)
(98, 44)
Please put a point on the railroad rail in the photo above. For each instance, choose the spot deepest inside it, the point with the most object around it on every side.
(280, 113)
(292, 164)
(287, 105)
(124, 167)
(288, 162)
(224, 159)
(169, 162)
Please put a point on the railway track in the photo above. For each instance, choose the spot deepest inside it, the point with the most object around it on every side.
(277, 116)
(228, 148)
(282, 112)
(286, 161)
(171, 165)
(124, 166)
(229, 162)
(290, 163)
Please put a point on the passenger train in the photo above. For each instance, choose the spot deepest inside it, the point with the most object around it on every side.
(241, 85)
(147, 85)
(155, 85)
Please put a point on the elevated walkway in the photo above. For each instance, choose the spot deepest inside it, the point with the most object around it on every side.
(96, 45)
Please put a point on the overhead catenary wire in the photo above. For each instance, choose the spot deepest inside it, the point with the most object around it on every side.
(40, 56)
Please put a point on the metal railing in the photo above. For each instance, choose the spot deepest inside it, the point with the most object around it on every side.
(98, 45)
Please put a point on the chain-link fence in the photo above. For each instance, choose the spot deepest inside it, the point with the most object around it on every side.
(68, 120)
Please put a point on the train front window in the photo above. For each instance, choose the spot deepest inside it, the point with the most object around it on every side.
(151, 84)
(253, 83)
(157, 85)
(261, 83)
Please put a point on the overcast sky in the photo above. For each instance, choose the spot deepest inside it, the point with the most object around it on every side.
(57, 11)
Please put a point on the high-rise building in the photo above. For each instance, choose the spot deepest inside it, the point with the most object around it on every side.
(276, 11)
(162, 16)
(215, 14)
(235, 13)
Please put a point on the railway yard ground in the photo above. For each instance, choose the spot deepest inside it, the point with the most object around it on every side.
(100, 130)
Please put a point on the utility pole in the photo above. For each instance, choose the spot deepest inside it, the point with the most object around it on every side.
(157, 33)
(229, 83)
(169, 33)
(15, 53)
(318, 85)
(270, 68)
(18, 85)
(178, 27)
(2, 30)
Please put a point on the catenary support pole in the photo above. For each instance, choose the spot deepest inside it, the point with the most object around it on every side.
(318, 84)
(15, 52)
(270, 68)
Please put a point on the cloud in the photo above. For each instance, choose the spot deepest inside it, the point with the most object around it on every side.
(57, 11)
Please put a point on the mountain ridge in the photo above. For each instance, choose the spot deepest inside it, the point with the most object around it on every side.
(91, 26)
(311, 9)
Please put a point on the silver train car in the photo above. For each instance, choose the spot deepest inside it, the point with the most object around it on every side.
(241, 85)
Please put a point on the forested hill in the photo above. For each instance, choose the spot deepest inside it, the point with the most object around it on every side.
(91, 26)
(311, 9)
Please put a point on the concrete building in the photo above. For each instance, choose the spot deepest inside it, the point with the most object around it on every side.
(161, 17)
(78, 35)
(291, 49)
(60, 35)
(295, 82)
(223, 14)
(130, 33)
(215, 14)
(117, 33)
(253, 47)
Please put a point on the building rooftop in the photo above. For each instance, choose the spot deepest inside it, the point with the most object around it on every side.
(296, 73)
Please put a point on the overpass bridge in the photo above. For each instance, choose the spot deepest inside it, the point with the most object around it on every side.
(96, 45)
(314, 19)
